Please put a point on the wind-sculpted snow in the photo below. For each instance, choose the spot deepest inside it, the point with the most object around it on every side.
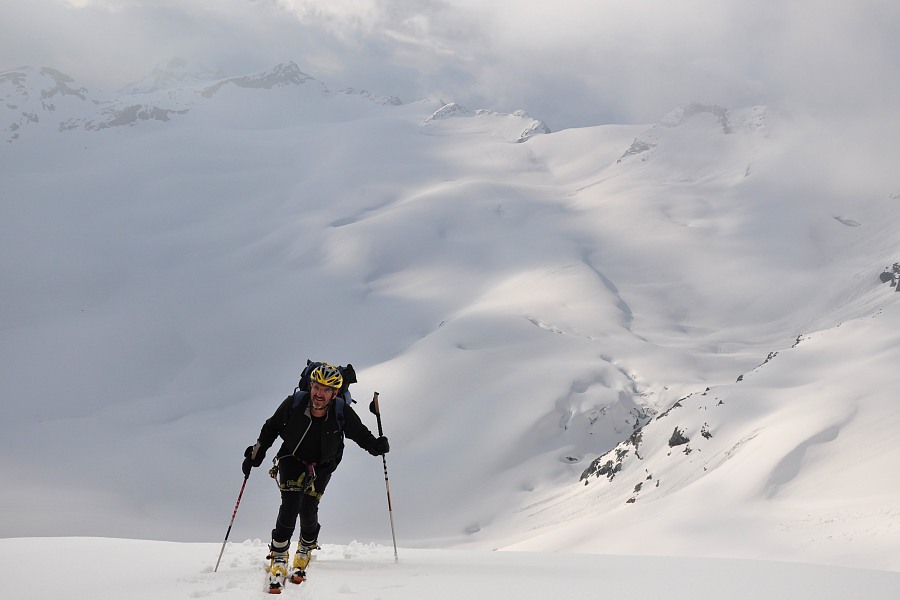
(533, 308)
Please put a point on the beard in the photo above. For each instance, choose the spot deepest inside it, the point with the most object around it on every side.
(319, 403)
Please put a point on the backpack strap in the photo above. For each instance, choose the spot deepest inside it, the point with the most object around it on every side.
(297, 397)
(340, 401)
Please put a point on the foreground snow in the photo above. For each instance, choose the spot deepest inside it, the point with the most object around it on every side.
(101, 568)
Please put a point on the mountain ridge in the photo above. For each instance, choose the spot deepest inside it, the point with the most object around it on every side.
(171, 90)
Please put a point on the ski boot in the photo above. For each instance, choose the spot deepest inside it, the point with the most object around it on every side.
(301, 560)
(278, 570)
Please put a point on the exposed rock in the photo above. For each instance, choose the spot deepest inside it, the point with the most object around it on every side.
(891, 275)
(119, 116)
(638, 146)
(608, 467)
(678, 438)
(40, 95)
(677, 404)
(768, 358)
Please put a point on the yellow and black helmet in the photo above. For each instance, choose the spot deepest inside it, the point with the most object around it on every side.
(327, 375)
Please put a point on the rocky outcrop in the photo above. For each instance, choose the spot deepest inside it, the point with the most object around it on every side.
(891, 275)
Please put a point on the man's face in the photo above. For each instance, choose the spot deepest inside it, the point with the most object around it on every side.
(321, 395)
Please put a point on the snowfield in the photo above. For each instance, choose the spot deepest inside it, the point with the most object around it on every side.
(636, 360)
(107, 568)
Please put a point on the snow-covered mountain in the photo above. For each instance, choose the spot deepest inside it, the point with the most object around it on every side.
(672, 338)
(46, 96)
(174, 74)
(38, 96)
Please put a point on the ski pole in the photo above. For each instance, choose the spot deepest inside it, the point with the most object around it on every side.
(233, 515)
(387, 485)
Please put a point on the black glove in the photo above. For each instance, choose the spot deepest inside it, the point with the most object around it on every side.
(381, 446)
(253, 457)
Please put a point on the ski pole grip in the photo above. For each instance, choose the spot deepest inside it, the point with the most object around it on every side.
(376, 410)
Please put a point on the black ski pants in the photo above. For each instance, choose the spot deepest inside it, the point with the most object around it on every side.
(295, 503)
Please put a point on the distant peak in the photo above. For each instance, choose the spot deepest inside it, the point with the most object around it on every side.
(57, 76)
(376, 98)
(533, 126)
(451, 109)
(685, 113)
(41, 82)
(35, 94)
(703, 119)
(174, 73)
(281, 75)
(754, 118)
(22, 74)
(536, 127)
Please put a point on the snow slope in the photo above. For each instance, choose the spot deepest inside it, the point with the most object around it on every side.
(524, 302)
(104, 568)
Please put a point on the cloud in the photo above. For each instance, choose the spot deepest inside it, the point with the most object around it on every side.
(598, 60)
(572, 64)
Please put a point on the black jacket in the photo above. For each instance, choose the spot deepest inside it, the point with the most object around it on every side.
(292, 423)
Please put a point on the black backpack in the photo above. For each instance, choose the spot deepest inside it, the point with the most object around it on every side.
(341, 399)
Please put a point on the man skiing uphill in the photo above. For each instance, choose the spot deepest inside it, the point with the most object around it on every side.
(312, 425)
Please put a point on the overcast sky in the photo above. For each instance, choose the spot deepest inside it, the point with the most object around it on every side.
(570, 63)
